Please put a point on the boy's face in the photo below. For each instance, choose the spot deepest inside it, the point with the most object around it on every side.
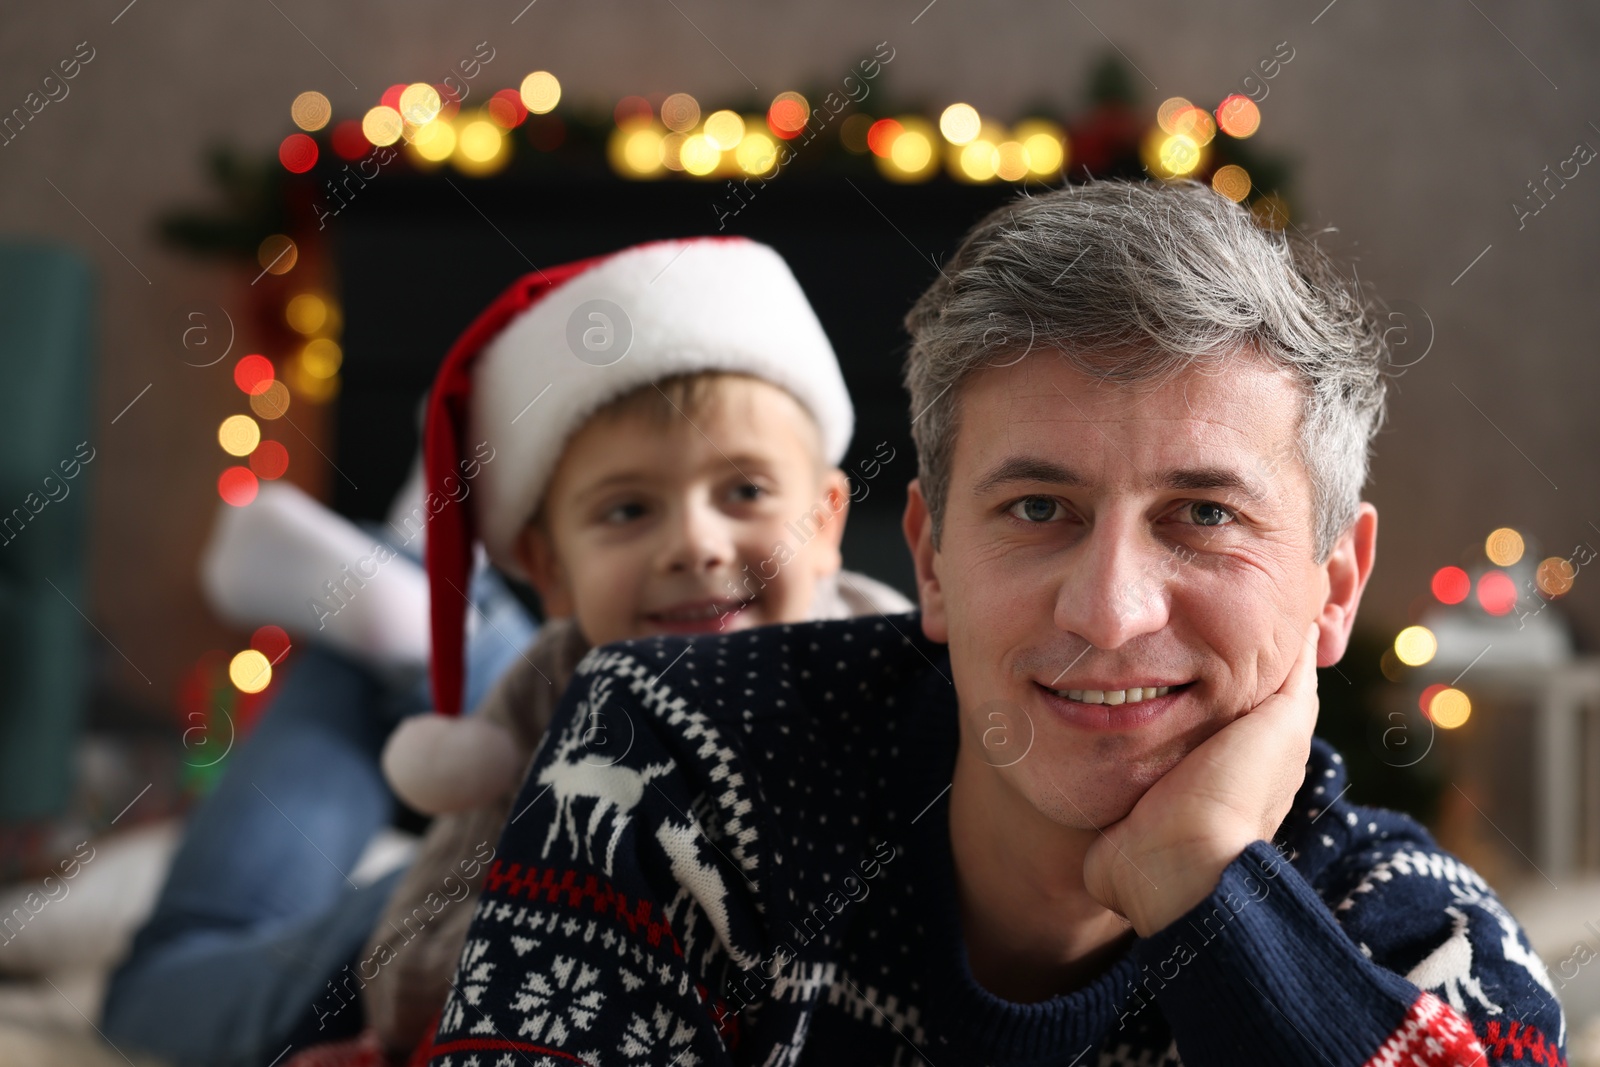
(704, 524)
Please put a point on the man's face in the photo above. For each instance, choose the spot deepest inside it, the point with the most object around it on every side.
(1091, 542)
(703, 525)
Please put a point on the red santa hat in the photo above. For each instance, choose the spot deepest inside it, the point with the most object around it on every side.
(559, 344)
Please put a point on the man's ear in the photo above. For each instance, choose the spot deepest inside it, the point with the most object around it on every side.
(537, 554)
(918, 526)
(1348, 568)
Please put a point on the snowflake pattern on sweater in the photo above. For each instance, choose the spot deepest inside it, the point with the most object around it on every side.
(734, 849)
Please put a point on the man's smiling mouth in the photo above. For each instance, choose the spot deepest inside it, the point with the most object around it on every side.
(1127, 695)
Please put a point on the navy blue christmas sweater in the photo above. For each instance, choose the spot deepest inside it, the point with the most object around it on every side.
(734, 849)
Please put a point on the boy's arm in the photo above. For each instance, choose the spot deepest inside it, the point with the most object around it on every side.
(1426, 969)
(607, 908)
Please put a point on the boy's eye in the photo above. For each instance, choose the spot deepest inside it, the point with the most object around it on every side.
(622, 513)
(749, 492)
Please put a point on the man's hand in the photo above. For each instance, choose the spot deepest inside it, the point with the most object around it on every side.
(1168, 853)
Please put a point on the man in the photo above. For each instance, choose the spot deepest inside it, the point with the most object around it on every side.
(1070, 810)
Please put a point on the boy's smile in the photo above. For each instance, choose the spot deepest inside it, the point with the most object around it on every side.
(704, 522)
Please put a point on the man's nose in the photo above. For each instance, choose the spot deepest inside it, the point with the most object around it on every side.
(1116, 584)
(699, 538)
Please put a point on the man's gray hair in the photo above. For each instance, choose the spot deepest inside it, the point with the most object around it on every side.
(1136, 282)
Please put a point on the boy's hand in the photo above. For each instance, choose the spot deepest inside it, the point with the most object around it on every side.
(1168, 853)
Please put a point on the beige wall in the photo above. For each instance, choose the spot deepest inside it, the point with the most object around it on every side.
(1412, 126)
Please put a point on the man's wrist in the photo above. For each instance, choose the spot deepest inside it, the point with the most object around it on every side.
(1183, 886)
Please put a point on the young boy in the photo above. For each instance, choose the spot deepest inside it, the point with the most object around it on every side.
(656, 437)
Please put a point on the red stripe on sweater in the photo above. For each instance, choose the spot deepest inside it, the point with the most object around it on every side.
(1433, 1034)
(579, 890)
(1519, 1041)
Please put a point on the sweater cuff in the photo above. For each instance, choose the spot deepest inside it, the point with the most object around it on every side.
(1261, 972)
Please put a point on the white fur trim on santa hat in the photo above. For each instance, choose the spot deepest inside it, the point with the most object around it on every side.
(672, 307)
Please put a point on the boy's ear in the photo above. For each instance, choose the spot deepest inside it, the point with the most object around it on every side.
(918, 526)
(834, 493)
(537, 555)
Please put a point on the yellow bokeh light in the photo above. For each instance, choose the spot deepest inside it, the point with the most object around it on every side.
(435, 141)
(1415, 645)
(480, 147)
(980, 161)
(1045, 154)
(1503, 547)
(322, 358)
(911, 152)
(382, 125)
(1554, 577)
(724, 129)
(757, 153)
(272, 402)
(540, 92)
(1179, 154)
(311, 111)
(250, 671)
(239, 435)
(1011, 161)
(306, 313)
(420, 103)
(308, 386)
(1232, 181)
(1449, 708)
(911, 156)
(699, 156)
(960, 123)
(1169, 110)
(635, 150)
(680, 113)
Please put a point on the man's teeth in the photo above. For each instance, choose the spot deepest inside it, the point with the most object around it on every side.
(1114, 696)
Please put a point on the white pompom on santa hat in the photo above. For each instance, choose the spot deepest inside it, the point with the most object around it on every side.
(552, 350)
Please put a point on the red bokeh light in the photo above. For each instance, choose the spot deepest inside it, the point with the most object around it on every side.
(631, 108)
(349, 142)
(270, 460)
(254, 374)
(271, 641)
(1497, 592)
(237, 486)
(506, 109)
(1451, 585)
(881, 135)
(391, 96)
(298, 153)
(787, 118)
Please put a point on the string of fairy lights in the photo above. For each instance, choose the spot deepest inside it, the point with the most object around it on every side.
(668, 137)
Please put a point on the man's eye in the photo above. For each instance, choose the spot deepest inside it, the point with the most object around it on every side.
(1206, 513)
(1034, 509)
